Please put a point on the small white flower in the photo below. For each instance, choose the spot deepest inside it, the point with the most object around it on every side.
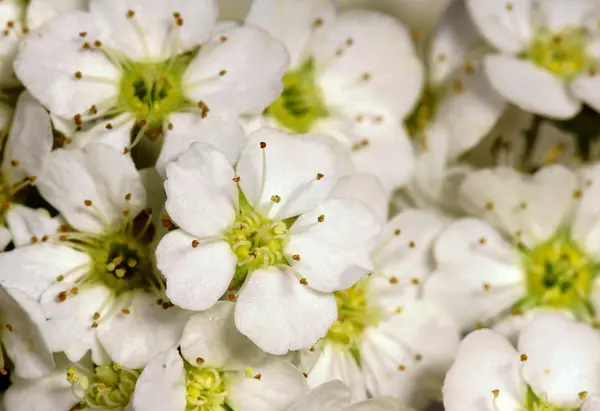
(387, 340)
(534, 247)
(547, 57)
(40, 12)
(348, 80)
(151, 69)
(555, 367)
(266, 232)
(217, 368)
(335, 395)
(96, 278)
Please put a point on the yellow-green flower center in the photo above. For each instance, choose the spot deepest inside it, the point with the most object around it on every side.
(354, 316)
(422, 115)
(205, 389)
(301, 102)
(535, 403)
(563, 54)
(109, 387)
(559, 275)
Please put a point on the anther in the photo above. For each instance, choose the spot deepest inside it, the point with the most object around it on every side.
(127, 196)
(486, 286)
(98, 43)
(82, 34)
(318, 22)
(9, 327)
(296, 257)
(223, 39)
(126, 311)
(321, 218)
(482, 240)
(95, 325)
(397, 231)
(33, 240)
(236, 179)
(411, 244)
(222, 73)
(365, 76)
(401, 367)
(303, 281)
(195, 243)
(489, 206)
(130, 14)
(78, 75)
(258, 377)
(88, 203)
(170, 126)
(577, 194)
(14, 163)
(523, 357)
(204, 108)
(263, 144)
(393, 280)
(62, 296)
(583, 395)
(276, 199)
(495, 392)
(96, 315)
(415, 281)
(320, 176)
(108, 126)
(349, 41)
(199, 360)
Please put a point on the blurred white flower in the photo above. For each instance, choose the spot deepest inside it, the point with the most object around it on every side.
(548, 55)
(266, 230)
(96, 278)
(353, 77)
(534, 246)
(216, 368)
(555, 367)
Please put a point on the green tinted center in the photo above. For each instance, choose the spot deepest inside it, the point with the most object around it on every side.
(422, 115)
(535, 403)
(205, 389)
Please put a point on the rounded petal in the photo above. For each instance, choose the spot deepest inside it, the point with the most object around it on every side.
(211, 335)
(331, 396)
(5, 237)
(587, 87)
(98, 174)
(40, 12)
(161, 385)
(148, 34)
(50, 393)
(254, 64)
(378, 404)
(223, 133)
(26, 223)
(530, 87)
(366, 188)
(553, 146)
(134, 339)
(196, 276)
(201, 196)
(507, 26)
(301, 169)
(563, 358)
(563, 14)
(586, 226)
(485, 362)
(52, 81)
(114, 132)
(279, 314)
(279, 385)
(336, 252)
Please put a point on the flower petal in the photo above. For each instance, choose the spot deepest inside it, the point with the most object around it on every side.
(53, 81)
(254, 64)
(196, 276)
(331, 396)
(301, 169)
(587, 87)
(485, 362)
(560, 14)
(201, 196)
(50, 393)
(530, 87)
(212, 336)
(378, 404)
(334, 253)
(563, 358)
(585, 228)
(40, 12)
(366, 188)
(114, 132)
(279, 314)
(161, 385)
(26, 223)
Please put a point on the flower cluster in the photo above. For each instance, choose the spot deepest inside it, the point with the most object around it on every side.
(312, 206)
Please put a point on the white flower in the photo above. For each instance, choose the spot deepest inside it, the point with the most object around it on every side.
(556, 366)
(267, 233)
(216, 367)
(547, 53)
(14, 29)
(150, 69)
(387, 340)
(534, 247)
(40, 12)
(348, 80)
(71, 386)
(335, 396)
(96, 278)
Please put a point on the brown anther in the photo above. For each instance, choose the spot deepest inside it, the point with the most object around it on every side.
(5, 32)
(127, 196)
(74, 291)
(296, 257)
(320, 176)
(33, 240)
(496, 393)
(94, 324)
(339, 52)
(203, 108)
(393, 280)
(305, 374)
(179, 22)
(25, 30)
(411, 244)
(96, 315)
(195, 243)
(263, 144)
(418, 357)
(98, 43)
(489, 206)
(166, 305)
(321, 218)
(130, 14)
(14, 163)
(108, 126)
(523, 357)
(82, 34)
(176, 15)
(486, 286)
(469, 67)
(231, 297)
(258, 377)
(3, 371)
(397, 231)
(88, 203)
(62, 238)
(77, 119)
(60, 278)
(125, 150)
(318, 22)
(458, 86)
(223, 39)
(9, 327)
(479, 325)
(482, 240)
(127, 211)
(378, 118)
(276, 199)
(10, 24)
(401, 367)
(577, 194)
(303, 281)
(415, 281)
(93, 109)
(583, 395)
(349, 41)
(78, 75)
(523, 205)
(199, 360)
(365, 76)
(126, 311)
(142, 123)
(222, 73)
(592, 72)
(236, 179)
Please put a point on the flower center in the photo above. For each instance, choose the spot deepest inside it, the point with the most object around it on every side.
(418, 120)
(354, 315)
(563, 54)
(109, 387)
(151, 91)
(559, 275)
(300, 103)
(205, 389)
(535, 403)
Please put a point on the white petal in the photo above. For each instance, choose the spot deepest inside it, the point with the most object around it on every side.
(148, 35)
(553, 146)
(201, 196)
(331, 396)
(10, 11)
(291, 22)
(563, 358)
(288, 167)
(563, 14)
(212, 336)
(24, 343)
(51, 393)
(475, 281)
(254, 65)
(196, 276)
(279, 314)
(134, 339)
(26, 223)
(223, 133)
(378, 404)
(586, 226)
(591, 404)
(5, 237)
(162, 384)
(98, 173)
(485, 362)
(587, 87)
(366, 188)
(338, 363)
(530, 87)
(508, 26)
(394, 71)
(29, 140)
(335, 253)
(117, 135)
(280, 384)
(52, 81)
(40, 12)
(34, 268)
